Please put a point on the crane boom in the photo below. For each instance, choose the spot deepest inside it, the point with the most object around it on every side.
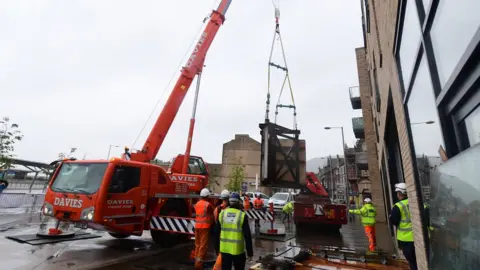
(192, 68)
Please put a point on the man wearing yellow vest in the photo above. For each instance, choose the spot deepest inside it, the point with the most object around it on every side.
(368, 214)
(400, 217)
(234, 236)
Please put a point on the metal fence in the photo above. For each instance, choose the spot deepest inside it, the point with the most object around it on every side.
(21, 200)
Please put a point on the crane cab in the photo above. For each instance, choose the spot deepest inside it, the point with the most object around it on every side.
(110, 195)
(197, 172)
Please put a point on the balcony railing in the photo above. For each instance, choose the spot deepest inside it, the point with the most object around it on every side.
(358, 127)
(355, 97)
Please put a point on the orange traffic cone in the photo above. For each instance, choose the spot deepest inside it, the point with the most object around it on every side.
(218, 262)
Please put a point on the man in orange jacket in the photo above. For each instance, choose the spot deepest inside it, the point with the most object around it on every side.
(224, 196)
(203, 221)
(246, 202)
(258, 205)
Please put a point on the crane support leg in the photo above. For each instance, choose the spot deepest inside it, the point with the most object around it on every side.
(192, 126)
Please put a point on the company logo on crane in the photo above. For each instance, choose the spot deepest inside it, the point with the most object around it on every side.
(196, 49)
(73, 203)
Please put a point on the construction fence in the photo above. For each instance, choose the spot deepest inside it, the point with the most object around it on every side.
(25, 201)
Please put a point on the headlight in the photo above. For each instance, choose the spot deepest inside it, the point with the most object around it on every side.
(47, 209)
(87, 213)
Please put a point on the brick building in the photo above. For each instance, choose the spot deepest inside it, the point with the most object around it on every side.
(419, 80)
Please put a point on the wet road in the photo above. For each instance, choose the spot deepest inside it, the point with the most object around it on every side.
(139, 252)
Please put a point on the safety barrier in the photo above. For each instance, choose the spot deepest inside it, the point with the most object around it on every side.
(21, 200)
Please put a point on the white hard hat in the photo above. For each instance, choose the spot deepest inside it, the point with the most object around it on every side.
(270, 201)
(367, 200)
(205, 192)
(225, 194)
(401, 187)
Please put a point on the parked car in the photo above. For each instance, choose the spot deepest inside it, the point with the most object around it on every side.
(251, 195)
(280, 199)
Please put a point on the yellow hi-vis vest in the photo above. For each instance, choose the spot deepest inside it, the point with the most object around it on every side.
(288, 208)
(404, 229)
(430, 228)
(231, 234)
(367, 212)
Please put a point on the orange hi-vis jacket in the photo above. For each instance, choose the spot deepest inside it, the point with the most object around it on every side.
(246, 203)
(203, 214)
(219, 209)
(258, 203)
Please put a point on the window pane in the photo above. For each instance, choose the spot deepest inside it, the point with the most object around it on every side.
(472, 124)
(455, 212)
(427, 137)
(453, 28)
(426, 3)
(410, 41)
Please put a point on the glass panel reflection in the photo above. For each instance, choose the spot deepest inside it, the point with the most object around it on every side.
(454, 26)
(472, 125)
(455, 212)
(410, 41)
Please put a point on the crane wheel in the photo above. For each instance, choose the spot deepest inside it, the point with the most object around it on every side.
(119, 235)
(175, 208)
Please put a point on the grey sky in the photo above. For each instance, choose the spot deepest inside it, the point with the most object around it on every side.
(86, 74)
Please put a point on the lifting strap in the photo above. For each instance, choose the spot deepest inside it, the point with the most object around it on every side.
(283, 67)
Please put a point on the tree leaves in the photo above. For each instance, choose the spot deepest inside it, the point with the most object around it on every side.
(236, 177)
(9, 135)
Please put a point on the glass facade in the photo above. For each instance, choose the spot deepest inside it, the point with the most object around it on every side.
(410, 41)
(427, 136)
(455, 212)
(472, 126)
(454, 26)
(445, 128)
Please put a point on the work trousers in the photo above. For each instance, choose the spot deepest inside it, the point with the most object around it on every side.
(286, 216)
(371, 235)
(237, 261)
(201, 246)
(408, 249)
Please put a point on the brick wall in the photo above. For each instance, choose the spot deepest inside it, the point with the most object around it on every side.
(370, 137)
(380, 45)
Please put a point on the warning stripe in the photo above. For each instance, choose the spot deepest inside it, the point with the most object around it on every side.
(173, 224)
(259, 215)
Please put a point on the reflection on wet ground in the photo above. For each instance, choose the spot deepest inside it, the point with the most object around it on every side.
(141, 253)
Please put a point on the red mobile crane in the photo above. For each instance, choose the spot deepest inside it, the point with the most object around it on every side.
(122, 196)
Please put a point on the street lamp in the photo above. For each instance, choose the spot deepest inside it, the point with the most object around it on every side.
(110, 148)
(344, 160)
(423, 123)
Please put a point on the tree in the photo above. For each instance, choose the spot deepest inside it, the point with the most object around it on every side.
(236, 177)
(63, 155)
(9, 135)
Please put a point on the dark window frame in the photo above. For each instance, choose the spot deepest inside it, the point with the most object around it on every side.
(131, 186)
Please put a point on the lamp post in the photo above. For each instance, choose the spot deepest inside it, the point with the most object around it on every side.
(110, 148)
(344, 161)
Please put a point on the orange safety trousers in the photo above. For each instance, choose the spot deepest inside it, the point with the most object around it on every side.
(201, 246)
(218, 262)
(372, 239)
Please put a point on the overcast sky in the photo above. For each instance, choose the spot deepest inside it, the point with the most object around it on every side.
(87, 74)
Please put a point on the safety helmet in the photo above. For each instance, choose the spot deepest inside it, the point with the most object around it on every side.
(205, 192)
(225, 194)
(257, 194)
(270, 201)
(367, 200)
(234, 197)
(401, 187)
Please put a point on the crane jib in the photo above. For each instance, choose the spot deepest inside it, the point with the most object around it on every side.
(223, 7)
(196, 50)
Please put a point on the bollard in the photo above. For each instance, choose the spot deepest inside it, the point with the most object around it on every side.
(272, 229)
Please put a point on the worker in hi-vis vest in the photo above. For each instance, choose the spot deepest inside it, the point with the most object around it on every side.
(368, 214)
(203, 221)
(234, 235)
(401, 218)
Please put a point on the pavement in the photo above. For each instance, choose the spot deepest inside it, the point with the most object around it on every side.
(139, 253)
